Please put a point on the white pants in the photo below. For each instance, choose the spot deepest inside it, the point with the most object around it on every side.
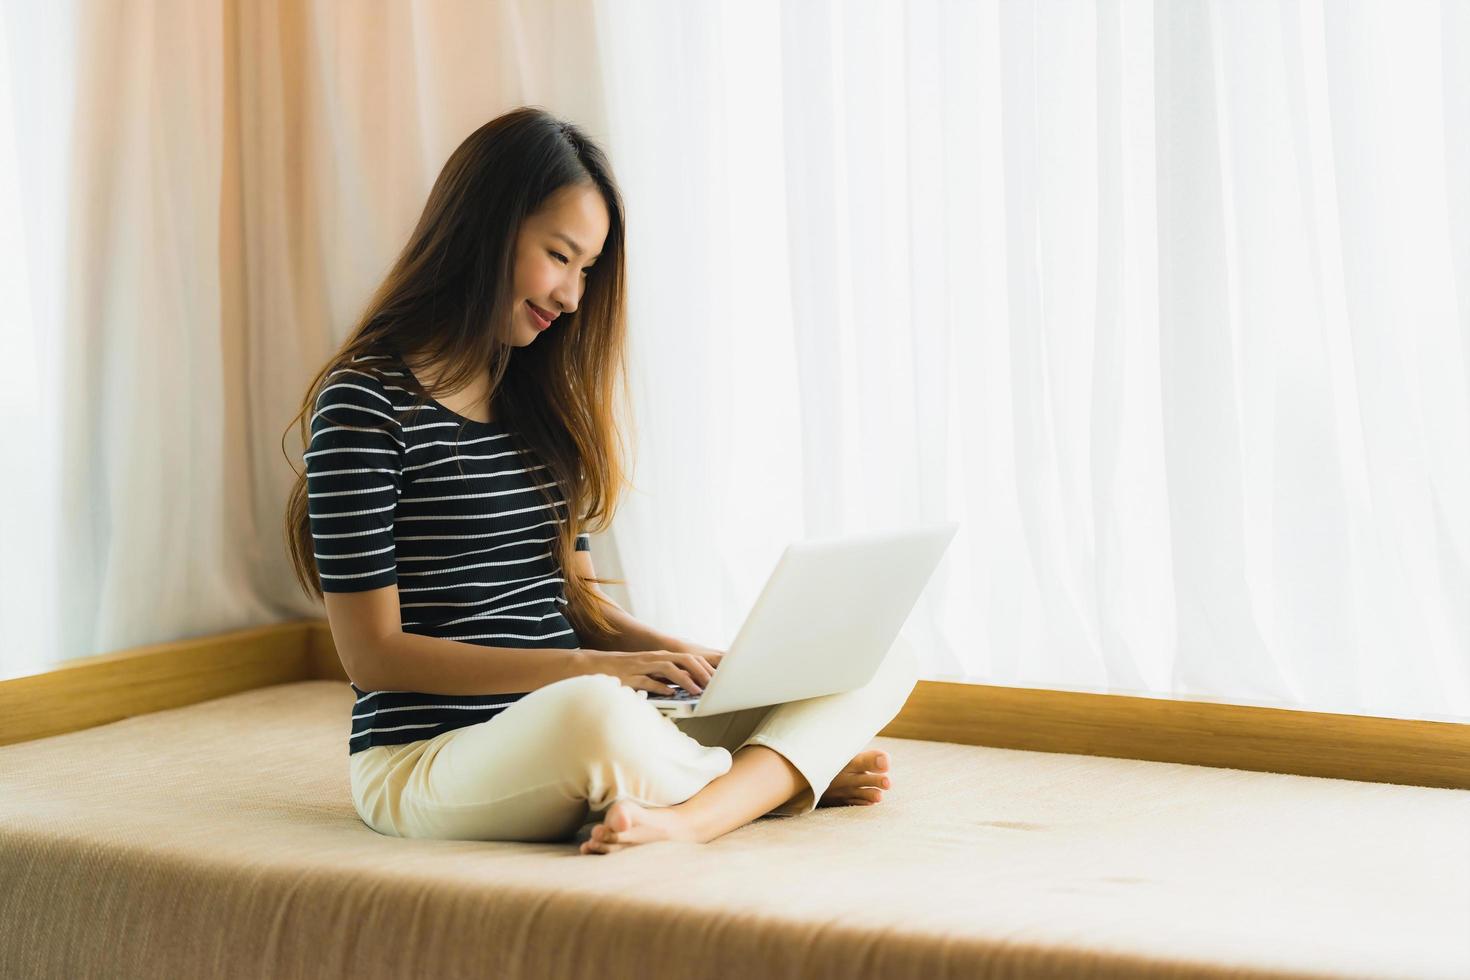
(567, 751)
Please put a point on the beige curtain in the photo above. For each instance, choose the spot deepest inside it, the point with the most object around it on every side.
(235, 179)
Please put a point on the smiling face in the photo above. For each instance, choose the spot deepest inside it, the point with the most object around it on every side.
(556, 253)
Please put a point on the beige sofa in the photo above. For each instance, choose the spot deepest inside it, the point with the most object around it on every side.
(217, 838)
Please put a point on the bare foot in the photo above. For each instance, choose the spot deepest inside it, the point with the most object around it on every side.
(626, 824)
(861, 783)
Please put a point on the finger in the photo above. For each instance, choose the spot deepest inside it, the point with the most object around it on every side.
(647, 682)
(682, 678)
(651, 675)
(700, 668)
(687, 678)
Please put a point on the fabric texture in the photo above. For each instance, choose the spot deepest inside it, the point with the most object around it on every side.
(450, 495)
(538, 769)
(169, 846)
(450, 512)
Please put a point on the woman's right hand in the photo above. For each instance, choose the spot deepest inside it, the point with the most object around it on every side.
(654, 670)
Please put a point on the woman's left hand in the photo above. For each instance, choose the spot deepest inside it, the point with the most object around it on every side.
(711, 655)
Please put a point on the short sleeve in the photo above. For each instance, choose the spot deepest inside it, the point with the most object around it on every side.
(583, 543)
(354, 472)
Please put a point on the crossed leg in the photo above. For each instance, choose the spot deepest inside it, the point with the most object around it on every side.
(759, 780)
(763, 777)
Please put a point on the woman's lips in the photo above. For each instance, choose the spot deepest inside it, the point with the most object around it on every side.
(543, 320)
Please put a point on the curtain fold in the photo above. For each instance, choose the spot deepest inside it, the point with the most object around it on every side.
(1156, 300)
(205, 217)
(1167, 304)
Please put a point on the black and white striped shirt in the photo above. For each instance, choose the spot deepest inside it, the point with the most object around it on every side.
(443, 507)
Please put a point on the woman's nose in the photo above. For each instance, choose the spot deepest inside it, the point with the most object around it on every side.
(566, 299)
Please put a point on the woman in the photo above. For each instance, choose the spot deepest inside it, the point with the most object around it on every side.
(461, 446)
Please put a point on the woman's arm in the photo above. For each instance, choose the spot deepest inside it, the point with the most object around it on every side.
(628, 634)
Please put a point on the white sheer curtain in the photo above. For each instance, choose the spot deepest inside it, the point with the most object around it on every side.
(1168, 305)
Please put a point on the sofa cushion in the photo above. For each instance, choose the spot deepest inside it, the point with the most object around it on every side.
(220, 839)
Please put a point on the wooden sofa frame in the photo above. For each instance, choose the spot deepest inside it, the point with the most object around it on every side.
(96, 690)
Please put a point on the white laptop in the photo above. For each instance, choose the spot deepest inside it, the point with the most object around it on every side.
(824, 621)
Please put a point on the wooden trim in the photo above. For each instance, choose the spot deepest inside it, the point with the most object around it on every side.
(1305, 743)
(97, 690)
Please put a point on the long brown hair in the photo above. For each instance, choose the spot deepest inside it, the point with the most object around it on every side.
(453, 278)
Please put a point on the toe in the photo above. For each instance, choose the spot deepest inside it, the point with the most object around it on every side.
(619, 817)
(847, 781)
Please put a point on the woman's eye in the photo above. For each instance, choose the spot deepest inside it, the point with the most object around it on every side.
(563, 258)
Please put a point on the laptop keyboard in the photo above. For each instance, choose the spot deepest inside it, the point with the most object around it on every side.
(679, 695)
